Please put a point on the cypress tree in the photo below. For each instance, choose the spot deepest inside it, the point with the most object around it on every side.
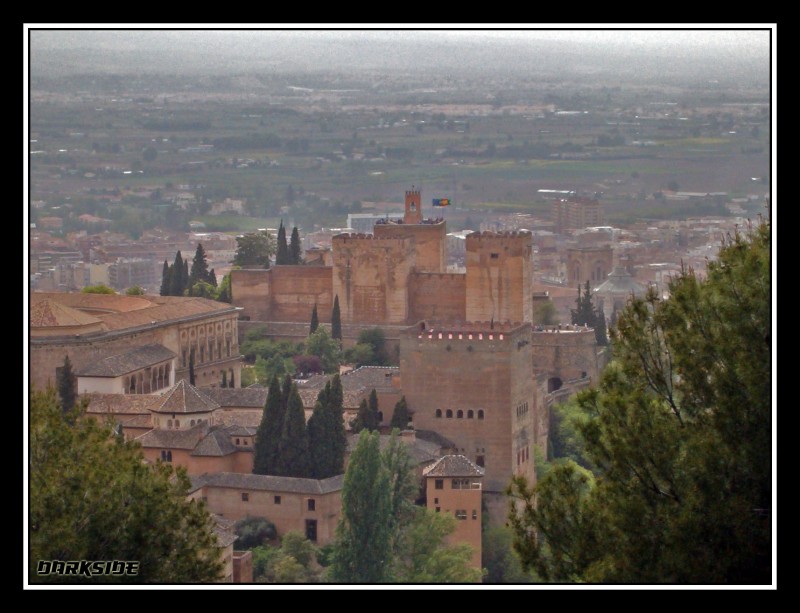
(199, 266)
(373, 406)
(363, 420)
(165, 279)
(177, 281)
(65, 383)
(269, 431)
(601, 336)
(295, 250)
(336, 320)
(314, 320)
(293, 456)
(400, 415)
(224, 379)
(185, 277)
(212, 277)
(282, 257)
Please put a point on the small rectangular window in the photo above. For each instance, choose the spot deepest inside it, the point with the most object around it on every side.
(439, 484)
(438, 509)
(494, 256)
(461, 514)
(245, 497)
(435, 501)
(312, 504)
(474, 514)
(456, 484)
(277, 500)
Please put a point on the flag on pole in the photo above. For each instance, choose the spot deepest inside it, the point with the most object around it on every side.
(441, 202)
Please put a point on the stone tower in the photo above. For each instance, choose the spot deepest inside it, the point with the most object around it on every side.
(413, 207)
(499, 277)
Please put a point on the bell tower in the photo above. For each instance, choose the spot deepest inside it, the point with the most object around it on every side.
(413, 213)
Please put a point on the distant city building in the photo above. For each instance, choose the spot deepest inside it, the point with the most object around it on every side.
(576, 212)
(365, 222)
(127, 272)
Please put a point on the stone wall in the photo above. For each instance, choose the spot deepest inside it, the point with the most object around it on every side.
(566, 352)
(250, 289)
(370, 276)
(430, 242)
(499, 277)
(296, 289)
(438, 297)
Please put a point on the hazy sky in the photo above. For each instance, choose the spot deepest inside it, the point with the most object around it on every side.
(542, 51)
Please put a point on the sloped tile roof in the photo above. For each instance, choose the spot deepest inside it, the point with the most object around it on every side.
(454, 466)
(130, 361)
(216, 443)
(115, 404)
(49, 313)
(186, 398)
(247, 481)
(173, 439)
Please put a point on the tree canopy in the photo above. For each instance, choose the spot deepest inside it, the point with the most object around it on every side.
(254, 250)
(679, 436)
(98, 289)
(92, 497)
(282, 256)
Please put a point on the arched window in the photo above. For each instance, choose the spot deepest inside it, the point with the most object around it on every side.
(460, 414)
(191, 423)
(480, 413)
(470, 414)
(438, 412)
(169, 424)
(169, 456)
(177, 423)
(449, 413)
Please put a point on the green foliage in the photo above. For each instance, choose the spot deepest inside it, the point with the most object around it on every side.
(680, 435)
(336, 320)
(376, 339)
(365, 419)
(65, 384)
(256, 334)
(359, 355)
(322, 345)
(177, 281)
(254, 532)
(498, 558)
(363, 550)
(314, 320)
(546, 314)
(248, 376)
(383, 536)
(294, 562)
(254, 250)
(224, 289)
(135, 290)
(400, 417)
(92, 497)
(98, 289)
(584, 314)
(423, 556)
(282, 256)
(326, 433)
(566, 420)
(293, 450)
(203, 289)
(269, 431)
(274, 366)
(295, 249)
(295, 544)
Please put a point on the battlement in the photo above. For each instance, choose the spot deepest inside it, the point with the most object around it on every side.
(467, 331)
(359, 236)
(412, 193)
(487, 235)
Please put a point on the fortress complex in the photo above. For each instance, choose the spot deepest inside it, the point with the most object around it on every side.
(473, 368)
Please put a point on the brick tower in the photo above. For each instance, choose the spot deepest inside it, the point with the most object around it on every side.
(413, 207)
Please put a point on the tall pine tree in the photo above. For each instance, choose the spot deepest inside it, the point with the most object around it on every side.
(166, 273)
(336, 320)
(584, 314)
(400, 416)
(191, 367)
(269, 431)
(363, 551)
(293, 456)
(314, 320)
(199, 270)
(326, 434)
(177, 281)
(212, 277)
(282, 257)
(295, 250)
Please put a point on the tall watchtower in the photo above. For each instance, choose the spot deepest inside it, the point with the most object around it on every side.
(413, 213)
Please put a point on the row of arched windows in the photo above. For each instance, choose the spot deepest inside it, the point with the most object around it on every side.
(459, 414)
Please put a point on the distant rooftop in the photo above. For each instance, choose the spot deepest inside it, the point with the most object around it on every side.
(186, 398)
(130, 361)
(269, 483)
